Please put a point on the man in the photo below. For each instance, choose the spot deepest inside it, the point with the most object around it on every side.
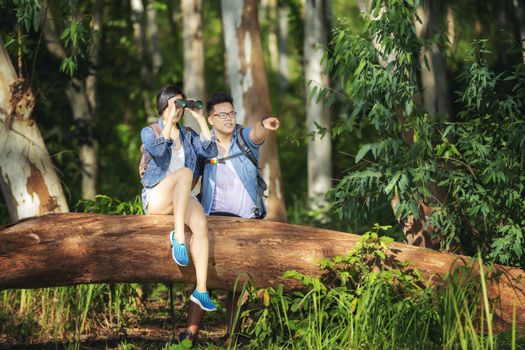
(229, 181)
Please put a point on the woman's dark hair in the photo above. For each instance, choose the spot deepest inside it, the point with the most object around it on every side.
(219, 97)
(165, 94)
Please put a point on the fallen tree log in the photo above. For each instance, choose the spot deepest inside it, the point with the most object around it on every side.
(75, 248)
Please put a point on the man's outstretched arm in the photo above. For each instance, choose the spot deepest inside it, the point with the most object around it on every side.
(260, 130)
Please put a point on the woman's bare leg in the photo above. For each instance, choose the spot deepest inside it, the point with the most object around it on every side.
(171, 196)
(199, 244)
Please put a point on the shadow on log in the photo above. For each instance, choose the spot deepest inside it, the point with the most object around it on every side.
(74, 248)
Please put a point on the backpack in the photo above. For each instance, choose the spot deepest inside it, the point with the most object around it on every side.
(145, 157)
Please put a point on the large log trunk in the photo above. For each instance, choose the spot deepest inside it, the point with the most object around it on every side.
(250, 92)
(28, 180)
(65, 249)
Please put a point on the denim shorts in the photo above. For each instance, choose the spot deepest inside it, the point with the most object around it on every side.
(145, 196)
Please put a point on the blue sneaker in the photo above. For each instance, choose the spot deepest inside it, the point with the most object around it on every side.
(203, 300)
(178, 251)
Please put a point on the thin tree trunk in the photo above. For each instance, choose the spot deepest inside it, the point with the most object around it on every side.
(284, 76)
(65, 249)
(153, 39)
(519, 7)
(193, 55)
(28, 180)
(249, 86)
(139, 20)
(272, 34)
(81, 94)
(319, 148)
(434, 77)
(451, 27)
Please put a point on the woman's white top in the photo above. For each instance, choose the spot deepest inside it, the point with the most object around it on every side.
(177, 160)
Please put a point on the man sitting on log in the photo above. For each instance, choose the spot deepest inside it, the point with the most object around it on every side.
(231, 183)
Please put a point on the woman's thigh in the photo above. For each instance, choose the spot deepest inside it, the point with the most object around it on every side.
(160, 198)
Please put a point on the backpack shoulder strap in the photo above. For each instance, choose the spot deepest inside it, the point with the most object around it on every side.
(241, 142)
(156, 129)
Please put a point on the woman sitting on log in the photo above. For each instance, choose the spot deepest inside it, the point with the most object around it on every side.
(169, 166)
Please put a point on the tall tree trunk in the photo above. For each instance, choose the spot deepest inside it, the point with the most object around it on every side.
(272, 34)
(434, 82)
(153, 39)
(519, 7)
(282, 33)
(193, 54)
(451, 27)
(139, 20)
(249, 86)
(29, 183)
(319, 148)
(81, 94)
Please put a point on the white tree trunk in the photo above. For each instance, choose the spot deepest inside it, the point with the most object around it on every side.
(434, 78)
(82, 96)
(284, 75)
(319, 148)
(249, 88)
(29, 183)
(194, 87)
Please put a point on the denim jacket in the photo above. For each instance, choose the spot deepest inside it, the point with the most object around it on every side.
(243, 166)
(195, 147)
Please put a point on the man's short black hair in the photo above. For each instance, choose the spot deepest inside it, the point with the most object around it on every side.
(165, 94)
(219, 97)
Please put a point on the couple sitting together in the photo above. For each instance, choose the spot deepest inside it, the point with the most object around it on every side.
(176, 157)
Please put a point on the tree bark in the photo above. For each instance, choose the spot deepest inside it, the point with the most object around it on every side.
(193, 55)
(29, 183)
(282, 33)
(319, 148)
(153, 39)
(249, 87)
(519, 7)
(434, 82)
(65, 249)
(81, 94)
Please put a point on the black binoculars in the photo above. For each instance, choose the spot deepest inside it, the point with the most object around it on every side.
(192, 104)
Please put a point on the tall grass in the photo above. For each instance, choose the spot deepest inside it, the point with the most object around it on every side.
(365, 301)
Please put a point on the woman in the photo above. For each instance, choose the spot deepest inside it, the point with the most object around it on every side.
(168, 180)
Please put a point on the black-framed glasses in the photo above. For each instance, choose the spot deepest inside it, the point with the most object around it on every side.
(192, 104)
(223, 115)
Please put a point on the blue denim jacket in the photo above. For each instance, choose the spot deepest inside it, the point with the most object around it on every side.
(195, 147)
(243, 166)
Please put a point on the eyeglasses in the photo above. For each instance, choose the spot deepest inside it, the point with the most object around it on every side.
(223, 115)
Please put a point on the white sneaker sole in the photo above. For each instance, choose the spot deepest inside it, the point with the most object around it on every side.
(196, 301)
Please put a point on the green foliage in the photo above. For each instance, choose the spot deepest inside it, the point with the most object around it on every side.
(107, 205)
(368, 300)
(468, 168)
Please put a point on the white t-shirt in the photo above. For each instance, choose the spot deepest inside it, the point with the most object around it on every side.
(177, 160)
(230, 195)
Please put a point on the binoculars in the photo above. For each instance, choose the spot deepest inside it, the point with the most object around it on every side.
(192, 104)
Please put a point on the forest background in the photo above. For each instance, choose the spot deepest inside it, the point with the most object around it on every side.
(408, 114)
